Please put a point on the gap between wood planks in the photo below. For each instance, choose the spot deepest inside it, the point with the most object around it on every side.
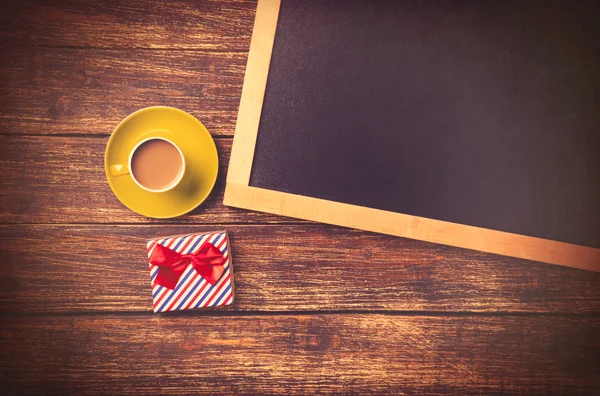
(124, 49)
(217, 313)
(174, 224)
(87, 135)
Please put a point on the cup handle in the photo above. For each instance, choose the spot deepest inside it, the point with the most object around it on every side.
(119, 170)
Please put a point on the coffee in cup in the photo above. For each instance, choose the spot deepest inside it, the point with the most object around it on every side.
(155, 164)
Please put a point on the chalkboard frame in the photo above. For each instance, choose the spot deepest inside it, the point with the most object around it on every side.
(239, 193)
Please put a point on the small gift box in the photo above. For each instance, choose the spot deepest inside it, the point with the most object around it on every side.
(191, 271)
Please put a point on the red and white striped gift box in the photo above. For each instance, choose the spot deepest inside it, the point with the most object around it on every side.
(193, 291)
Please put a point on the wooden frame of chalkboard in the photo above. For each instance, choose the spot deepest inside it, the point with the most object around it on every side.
(239, 193)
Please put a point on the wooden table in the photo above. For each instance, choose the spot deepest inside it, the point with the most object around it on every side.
(318, 309)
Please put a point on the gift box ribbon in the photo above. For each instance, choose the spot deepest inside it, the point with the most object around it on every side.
(208, 261)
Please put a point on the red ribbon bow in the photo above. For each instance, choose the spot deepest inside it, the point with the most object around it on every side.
(208, 262)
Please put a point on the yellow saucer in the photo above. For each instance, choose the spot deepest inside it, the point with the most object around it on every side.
(196, 144)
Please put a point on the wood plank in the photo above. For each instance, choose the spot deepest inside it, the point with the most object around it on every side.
(61, 180)
(52, 269)
(83, 91)
(205, 24)
(363, 354)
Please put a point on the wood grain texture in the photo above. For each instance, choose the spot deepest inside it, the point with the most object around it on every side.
(283, 268)
(89, 91)
(75, 299)
(203, 24)
(371, 354)
(61, 180)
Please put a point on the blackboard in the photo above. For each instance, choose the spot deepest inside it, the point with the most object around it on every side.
(481, 114)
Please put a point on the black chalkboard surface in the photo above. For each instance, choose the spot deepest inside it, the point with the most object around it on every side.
(485, 113)
(474, 124)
